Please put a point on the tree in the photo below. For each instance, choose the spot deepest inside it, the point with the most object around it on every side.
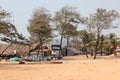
(66, 20)
(5, 26)
(87, 38)
(101, 20)
(70, 31)
(113, 39)
(39, 26)
(8, 32)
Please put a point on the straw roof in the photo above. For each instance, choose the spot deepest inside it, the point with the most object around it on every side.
(23, 48)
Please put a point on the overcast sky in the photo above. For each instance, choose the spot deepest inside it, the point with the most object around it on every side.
(22, 9)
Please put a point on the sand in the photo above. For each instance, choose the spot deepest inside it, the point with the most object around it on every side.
(76, 68)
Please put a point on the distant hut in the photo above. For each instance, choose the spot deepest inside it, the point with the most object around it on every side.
(70, 51)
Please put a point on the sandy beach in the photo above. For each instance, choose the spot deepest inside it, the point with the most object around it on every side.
(79, 68)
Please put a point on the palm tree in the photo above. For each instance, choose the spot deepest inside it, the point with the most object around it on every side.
(86, 38)
(113, 41)
(102, 39)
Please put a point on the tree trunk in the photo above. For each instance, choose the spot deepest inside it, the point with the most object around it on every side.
(38, 49)
(67, 40)
(101, 52)
(61, 40)
(96, 47)
(29, 53)
(86, 53)
(41, 46)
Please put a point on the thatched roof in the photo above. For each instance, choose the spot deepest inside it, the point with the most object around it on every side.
(18, 47)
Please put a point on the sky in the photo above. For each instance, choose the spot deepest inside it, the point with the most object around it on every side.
(22, 9)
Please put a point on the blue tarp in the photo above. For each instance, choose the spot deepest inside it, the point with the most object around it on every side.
(14, 59)
(36, 58)
(72, 51)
